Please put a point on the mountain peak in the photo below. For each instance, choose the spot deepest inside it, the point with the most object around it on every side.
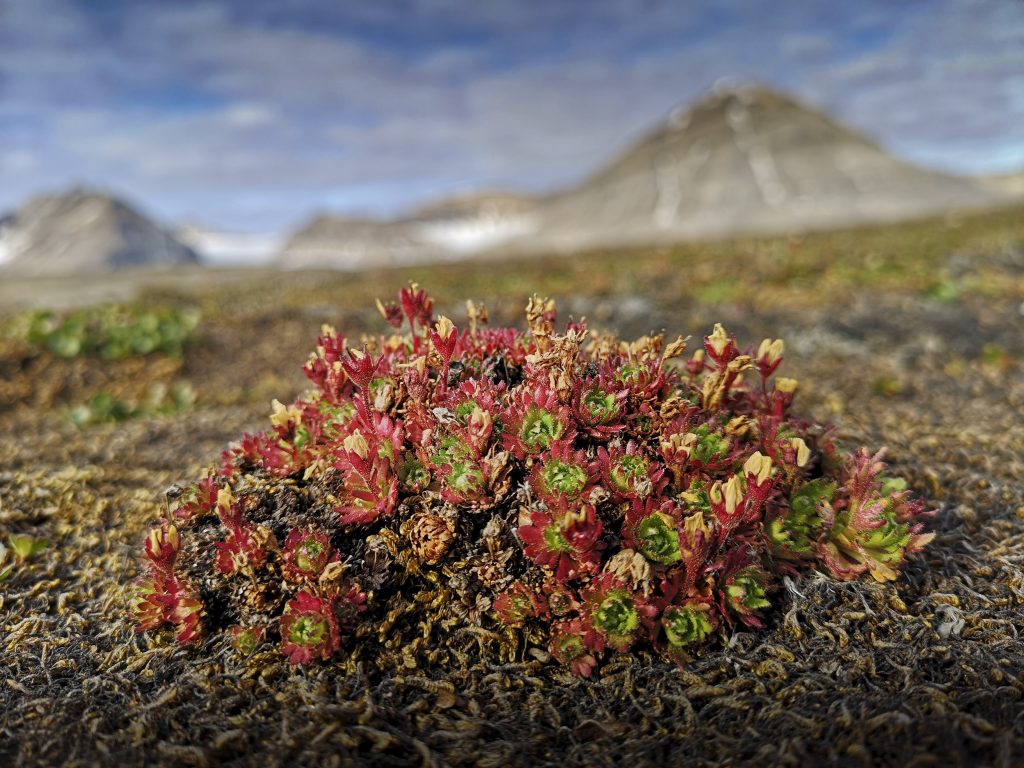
(731, 95)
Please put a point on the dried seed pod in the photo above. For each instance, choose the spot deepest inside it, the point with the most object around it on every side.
(430, 536)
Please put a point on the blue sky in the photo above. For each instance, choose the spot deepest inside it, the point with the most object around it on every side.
(252, 114)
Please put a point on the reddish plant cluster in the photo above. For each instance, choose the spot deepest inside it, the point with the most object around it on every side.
(650, 499)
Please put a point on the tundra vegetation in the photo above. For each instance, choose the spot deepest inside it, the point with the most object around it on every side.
(908, 336)
(570, 491)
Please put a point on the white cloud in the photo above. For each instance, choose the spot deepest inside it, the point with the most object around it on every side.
(228, 114)
(245, 114)
(946, 92)
(19, 160)
(802, 46)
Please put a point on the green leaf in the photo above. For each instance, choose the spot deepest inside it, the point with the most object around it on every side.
(659, 539)
(891, 485)
(684, 625)
(25, 546)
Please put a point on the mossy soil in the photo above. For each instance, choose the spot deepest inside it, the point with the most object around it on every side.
(926, 671)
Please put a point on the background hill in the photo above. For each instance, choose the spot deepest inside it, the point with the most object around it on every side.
(744, 161)
(84, 231)
(446, 229)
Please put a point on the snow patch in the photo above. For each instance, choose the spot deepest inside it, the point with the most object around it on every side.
(11, 245)
(232, 248)
(669, 194)
(471, 234)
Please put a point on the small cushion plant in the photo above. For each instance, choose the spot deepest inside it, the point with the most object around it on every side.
(572, 490)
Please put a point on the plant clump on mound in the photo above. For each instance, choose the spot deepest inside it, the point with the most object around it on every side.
(572, 491)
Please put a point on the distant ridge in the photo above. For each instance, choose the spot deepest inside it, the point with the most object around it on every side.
(84, 231)
(447, 229)
(743, 160)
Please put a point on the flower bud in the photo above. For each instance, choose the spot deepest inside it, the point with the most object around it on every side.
(224, 500)
(719, 340)
(770, 352)
(283, 415)
(733, 493)
(788, 386)
(758, 466)
(479, 421)
(356, 443)
(444, 327)
(803, 453)
(678, 445)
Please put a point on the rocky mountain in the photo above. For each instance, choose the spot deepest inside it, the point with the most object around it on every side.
(84, 231)
(449, 229)
(745, 160)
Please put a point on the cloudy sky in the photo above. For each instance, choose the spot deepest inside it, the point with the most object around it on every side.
(251, 114)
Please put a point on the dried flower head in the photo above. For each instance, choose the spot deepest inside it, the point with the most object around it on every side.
(430, 536)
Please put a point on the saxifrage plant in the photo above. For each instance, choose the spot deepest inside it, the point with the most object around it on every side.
(571, 488)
